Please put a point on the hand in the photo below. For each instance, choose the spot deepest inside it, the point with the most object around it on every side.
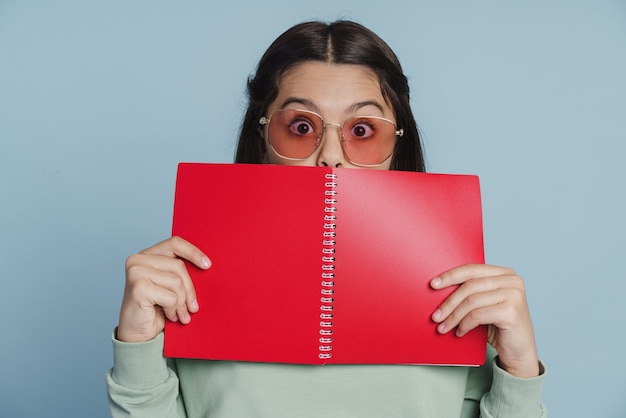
(158, 287)
(496, 297)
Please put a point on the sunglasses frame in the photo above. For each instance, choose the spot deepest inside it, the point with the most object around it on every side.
(265, 121)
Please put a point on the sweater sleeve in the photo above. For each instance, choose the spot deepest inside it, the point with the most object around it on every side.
(141, 384)
(513, 397)
(491, 392)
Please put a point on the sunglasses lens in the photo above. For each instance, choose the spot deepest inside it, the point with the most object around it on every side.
(295, 133)
(368, 140)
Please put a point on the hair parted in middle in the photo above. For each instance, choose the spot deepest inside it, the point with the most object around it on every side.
(339, 42)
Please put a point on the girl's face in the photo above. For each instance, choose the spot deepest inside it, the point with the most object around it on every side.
(336, 92)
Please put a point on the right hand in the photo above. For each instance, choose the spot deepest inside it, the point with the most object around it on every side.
(158, 286)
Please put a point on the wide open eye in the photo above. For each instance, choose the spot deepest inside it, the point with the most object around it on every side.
(362, 129)
(368, 140)
(301, 126)
(295, 134)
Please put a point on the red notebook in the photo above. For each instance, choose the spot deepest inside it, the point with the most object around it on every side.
(314, 265)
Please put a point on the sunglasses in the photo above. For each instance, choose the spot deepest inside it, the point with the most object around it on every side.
(366, 141)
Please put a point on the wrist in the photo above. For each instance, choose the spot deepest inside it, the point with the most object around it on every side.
(523, 369)
(123, 335)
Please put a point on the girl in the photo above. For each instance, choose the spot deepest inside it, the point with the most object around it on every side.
(317, 78)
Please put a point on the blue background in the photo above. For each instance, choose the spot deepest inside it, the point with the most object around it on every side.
(100, 100)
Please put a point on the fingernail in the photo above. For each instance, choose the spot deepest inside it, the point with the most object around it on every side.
(441, 328)
(435, 282)
(206, 263)
(194, 305)
(437, 315)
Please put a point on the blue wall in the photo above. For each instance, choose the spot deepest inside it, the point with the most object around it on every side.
(100, 100)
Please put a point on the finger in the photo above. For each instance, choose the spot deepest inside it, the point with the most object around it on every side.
(166, 301)
(177, 282)
(488, 315)
(169, 264)
(467, 310)
(156, 262)
(466, 290)
(181, 248)
(167, 254)
(185, 301)
(462, 274)
(149, 295)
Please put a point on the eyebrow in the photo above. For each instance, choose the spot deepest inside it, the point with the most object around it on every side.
(366, 103)
(310, 105)
(297, 100)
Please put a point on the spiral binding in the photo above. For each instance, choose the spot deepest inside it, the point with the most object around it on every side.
(328, 267)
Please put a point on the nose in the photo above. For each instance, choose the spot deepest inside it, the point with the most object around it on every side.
(331, 152)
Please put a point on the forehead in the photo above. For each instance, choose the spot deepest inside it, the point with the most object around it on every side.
(329, 88)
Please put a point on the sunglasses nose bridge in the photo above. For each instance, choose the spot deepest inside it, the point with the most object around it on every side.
(334, 125)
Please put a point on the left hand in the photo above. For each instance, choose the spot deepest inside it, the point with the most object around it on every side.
(496, 297)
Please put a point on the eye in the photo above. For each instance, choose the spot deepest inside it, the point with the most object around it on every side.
(362, 129)
(301, 127)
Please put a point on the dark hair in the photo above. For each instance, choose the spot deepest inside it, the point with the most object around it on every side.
(339, 42)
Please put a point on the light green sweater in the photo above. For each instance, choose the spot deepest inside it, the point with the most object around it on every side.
(142, 385)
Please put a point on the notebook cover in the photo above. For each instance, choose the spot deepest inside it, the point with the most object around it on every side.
(262, 226)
